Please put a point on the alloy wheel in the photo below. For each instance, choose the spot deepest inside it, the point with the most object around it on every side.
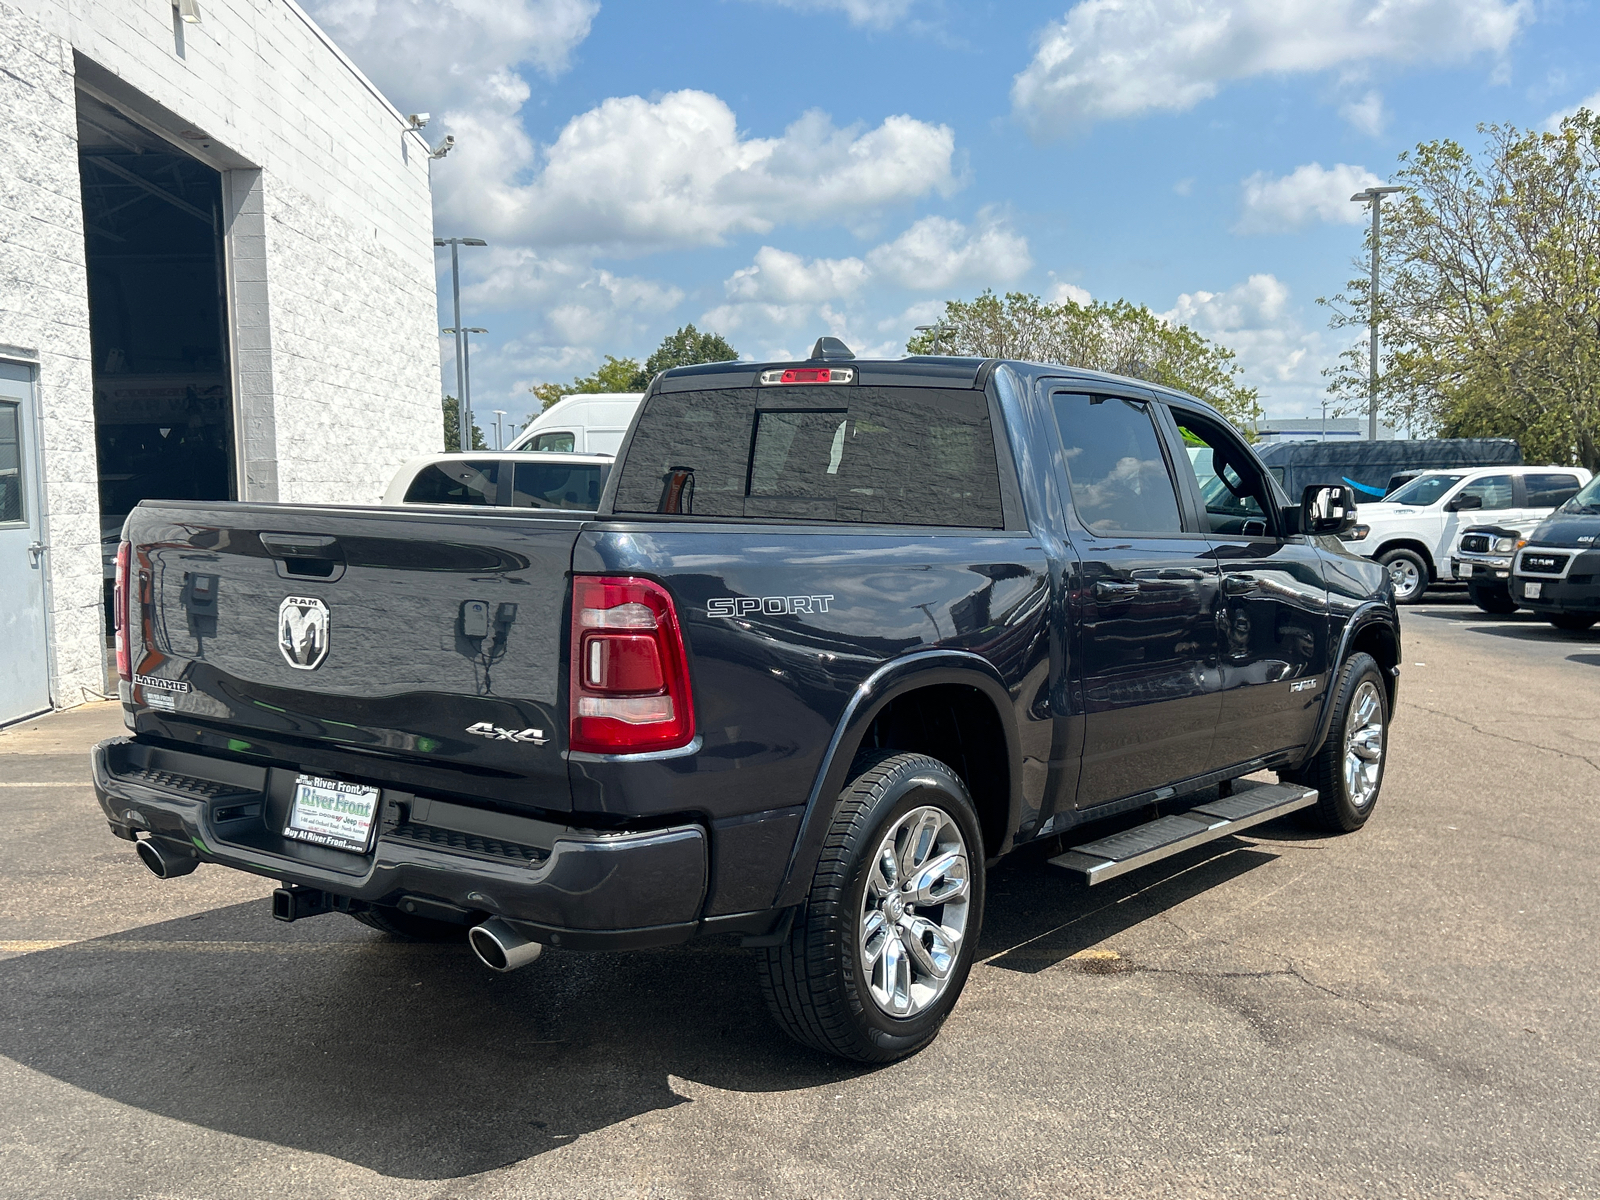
(1363, 745)
(1405, 577)
(914, 912)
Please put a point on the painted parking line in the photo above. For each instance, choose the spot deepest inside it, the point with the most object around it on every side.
(120, 945)
(77, 783)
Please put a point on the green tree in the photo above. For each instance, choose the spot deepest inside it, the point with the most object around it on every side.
(1114, 336)
(452, 428)
(684, 348)
(1489, 314)
(613, 375)
(687, 347)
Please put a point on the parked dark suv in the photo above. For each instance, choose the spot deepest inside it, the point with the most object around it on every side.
(1557, 571)
(841, 634)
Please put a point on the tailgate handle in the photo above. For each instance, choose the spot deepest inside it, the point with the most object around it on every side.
(300, 545)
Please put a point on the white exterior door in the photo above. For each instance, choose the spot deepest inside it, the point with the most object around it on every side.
(24, 663)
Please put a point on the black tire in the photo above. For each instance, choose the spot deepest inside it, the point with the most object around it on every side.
(814, 985)
(1572, 622)
(1336, 810)
(1496, 600)
(1408, 574)
(410, 928)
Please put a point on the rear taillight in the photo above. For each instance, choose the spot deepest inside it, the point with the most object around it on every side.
(630, 675)
(119, 612)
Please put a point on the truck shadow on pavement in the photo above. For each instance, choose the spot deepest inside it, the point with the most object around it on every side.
(417, 1062)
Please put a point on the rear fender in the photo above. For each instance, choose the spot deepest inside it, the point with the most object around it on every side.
(928, 668)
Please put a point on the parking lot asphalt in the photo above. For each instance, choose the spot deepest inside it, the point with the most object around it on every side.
(1411, 1010)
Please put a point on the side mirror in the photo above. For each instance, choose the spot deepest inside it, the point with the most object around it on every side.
(1465, 500)
(1328, 509)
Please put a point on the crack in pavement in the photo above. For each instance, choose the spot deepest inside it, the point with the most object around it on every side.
(1505, 737)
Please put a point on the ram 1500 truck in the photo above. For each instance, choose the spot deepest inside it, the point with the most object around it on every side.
(840, 635)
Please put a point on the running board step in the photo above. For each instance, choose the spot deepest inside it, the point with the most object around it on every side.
(1250, 804)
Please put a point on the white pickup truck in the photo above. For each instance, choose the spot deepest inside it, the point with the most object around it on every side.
(1412, 531)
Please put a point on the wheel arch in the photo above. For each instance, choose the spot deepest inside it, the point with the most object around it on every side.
(890, 710)
(1373, 630)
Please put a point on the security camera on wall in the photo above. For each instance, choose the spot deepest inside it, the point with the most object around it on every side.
(443, 147)
(418, 120)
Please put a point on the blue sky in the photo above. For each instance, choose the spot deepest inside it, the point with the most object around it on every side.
(780, 169)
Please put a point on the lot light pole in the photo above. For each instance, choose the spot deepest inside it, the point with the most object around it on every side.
(499, 438)
(463, 408)
(938, 332)
(1373, 196)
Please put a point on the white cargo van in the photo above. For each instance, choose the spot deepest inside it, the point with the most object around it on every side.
(589, 423)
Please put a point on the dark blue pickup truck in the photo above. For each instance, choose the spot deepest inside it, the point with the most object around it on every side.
(841, 634)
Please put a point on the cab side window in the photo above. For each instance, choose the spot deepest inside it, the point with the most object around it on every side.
(1119, 476)
(1550, 491)
(1493, 490)
(559, 443)
(1236, 495)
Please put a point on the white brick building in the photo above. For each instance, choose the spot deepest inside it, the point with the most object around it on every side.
(216, 281)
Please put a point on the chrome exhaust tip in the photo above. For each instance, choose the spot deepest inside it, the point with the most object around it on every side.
(501, 946)
(166, 860)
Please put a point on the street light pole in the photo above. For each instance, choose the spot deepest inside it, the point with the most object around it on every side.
(1373, 196)
(499, 438)
(463, 406)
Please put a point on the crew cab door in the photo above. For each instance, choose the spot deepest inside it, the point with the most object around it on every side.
(1273, 619)
(1142, 597)
(1540, 494)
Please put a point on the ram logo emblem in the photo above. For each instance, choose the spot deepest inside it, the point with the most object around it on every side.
(303, 632)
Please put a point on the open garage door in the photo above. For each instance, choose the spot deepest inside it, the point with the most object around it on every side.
(158, 320)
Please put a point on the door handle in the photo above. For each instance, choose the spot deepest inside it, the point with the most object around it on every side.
(1239, 585)
(1111, 590)
(35, 553)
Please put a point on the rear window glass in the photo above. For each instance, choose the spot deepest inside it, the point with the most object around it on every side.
(1120, 482)
(876, 455)
(1548, 491)
(455, 483)
(556, 485)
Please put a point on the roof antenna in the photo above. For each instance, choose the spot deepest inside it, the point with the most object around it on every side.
(830, 348)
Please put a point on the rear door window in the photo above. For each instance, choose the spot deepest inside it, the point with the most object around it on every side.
(874, 455)
(1549, 491)
(1119, 475)
(556, 485)
(460, 482)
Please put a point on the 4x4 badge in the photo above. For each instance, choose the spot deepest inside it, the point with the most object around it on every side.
(494, 733)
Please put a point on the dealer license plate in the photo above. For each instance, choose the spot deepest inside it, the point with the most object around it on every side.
(1463, 570)
(1533, 590)
(330, 812)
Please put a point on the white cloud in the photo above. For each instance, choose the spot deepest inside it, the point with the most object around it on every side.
(1062, 292)
(1119, 58)
(434, 54)
(937, 253)
(777, 275)
(1366, 113)
(632, 175)
(1278, 203)
(1255, 320)
(784, 291)
(877, 13)
(1553, 121)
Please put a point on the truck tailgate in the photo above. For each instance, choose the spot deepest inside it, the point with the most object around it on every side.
(397, 645)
